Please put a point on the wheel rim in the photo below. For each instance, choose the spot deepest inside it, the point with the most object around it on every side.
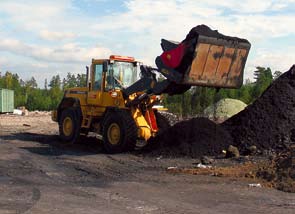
(114, 134)
(67, 126)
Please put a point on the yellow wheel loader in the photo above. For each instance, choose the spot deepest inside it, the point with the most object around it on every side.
(121, 100)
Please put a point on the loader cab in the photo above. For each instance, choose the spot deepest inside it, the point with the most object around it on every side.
(115, 73)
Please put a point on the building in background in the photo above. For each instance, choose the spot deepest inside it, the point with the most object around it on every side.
(6, 100)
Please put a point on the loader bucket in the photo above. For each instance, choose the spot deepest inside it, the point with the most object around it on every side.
(218, 62)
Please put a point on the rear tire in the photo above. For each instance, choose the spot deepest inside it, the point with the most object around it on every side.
(69, 125)
(119, 132)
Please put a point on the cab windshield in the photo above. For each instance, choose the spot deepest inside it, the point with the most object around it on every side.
(121, 75)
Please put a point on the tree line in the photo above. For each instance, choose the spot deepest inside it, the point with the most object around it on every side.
(28, 94)
(193, 102)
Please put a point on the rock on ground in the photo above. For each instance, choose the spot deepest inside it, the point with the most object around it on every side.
(224, 109)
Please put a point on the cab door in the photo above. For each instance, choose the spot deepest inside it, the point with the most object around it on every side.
(96, 88)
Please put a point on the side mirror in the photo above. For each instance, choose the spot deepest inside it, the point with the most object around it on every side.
(105, 66)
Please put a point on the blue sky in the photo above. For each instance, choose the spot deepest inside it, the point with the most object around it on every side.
(45, 38)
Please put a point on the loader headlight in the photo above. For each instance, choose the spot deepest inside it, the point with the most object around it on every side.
(114, 94)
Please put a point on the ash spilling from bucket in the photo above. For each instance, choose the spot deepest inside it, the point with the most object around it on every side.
(269, 123)
(191, 138)
(192, 38)
(206, 31)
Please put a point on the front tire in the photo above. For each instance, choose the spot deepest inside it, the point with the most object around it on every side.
(69, 125)
(119, 132)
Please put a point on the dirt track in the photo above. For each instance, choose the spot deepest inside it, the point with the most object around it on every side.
(40, 175)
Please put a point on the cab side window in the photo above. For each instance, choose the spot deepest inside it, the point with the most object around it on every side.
(97, 77)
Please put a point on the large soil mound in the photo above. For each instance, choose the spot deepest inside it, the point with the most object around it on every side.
(193, 138)
(269, 122)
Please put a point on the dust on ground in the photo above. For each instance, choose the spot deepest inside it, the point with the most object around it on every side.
(280, 171)
(40, 174)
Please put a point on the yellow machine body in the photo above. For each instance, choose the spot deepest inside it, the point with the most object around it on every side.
(94, 102)
(122, 106)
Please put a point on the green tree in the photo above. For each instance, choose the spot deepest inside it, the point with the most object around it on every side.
(244, 94)
(55, 91)
(81, 80)
(55, 82)
(32, 83)
(264, 78)
(70, 81)
(277, 74)
(8, 80)
(37, 100)
(46, 85)
(192, 102)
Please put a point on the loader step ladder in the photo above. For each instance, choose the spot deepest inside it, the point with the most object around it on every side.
(86, 121)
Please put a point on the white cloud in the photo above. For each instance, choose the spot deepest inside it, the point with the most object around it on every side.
(280, 60)
(277, 60)
(261, 27)
(150, 21)
(51, 20)
(251, 6)
(12, 45)
(3, 62)
(70, 36)
(52, 36)
(246, 6)
(175, 18)
(68, 53)
(40, 70)
(34, 14)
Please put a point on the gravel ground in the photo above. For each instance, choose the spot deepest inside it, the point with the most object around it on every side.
(39, 174)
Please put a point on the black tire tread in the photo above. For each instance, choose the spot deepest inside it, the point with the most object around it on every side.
(72, 112)
(128, 128)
